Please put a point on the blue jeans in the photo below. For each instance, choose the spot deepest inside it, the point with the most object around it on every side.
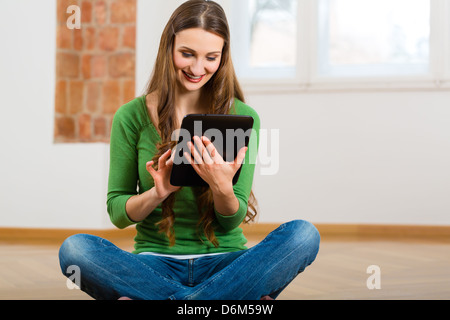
(108, 272)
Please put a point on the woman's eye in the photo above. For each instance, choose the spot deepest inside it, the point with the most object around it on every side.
(186, 54)
(211, 58)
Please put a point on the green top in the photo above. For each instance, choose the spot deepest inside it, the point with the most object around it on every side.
(133, 144)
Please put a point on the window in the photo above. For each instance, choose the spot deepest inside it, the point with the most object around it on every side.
(267, 38)
(373, 37)
(307, 44)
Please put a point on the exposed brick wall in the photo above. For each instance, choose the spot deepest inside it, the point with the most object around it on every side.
(95, 68)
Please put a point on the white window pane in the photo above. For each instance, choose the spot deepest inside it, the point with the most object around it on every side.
(374, 37)
(273, 34)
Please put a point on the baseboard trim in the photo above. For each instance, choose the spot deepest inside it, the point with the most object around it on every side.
(367, 232)
(361, 232)
(376, 231)
(31, 235)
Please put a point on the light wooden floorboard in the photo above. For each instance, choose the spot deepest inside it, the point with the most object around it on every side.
(409, 270)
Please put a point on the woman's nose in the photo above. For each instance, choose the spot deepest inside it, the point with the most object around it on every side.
(197, 67)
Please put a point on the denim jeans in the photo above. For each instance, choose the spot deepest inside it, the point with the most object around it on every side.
(108, 272)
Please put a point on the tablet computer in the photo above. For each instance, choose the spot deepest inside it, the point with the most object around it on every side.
(228, 133)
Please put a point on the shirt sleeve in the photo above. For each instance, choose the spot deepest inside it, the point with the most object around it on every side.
(123, 168)
(243, 187)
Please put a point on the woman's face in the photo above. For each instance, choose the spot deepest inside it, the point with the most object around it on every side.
(197, 54)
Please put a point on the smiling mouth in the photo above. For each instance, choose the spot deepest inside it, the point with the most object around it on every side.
(193, 78)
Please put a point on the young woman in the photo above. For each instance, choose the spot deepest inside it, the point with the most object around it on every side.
(188, 243)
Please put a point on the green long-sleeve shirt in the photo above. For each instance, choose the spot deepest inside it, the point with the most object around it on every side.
(133, 144)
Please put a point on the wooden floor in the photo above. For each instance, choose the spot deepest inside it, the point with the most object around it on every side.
(409, 270)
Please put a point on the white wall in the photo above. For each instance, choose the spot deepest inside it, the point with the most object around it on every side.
(369, 157)
(358, 157)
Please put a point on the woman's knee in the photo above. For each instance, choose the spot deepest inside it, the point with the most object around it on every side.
(73, 250)
(303, 233)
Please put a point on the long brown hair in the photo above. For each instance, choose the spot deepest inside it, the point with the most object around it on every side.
(219, 91)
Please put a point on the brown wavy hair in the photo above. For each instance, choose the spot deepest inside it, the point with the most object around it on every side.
(219, 91)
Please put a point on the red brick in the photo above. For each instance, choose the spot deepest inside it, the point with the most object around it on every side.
(95, 69)
(100, 12)
(67, 65)
(111, 96)
(100, 127)
(123, 11)
(86, 66)
(86, 11)
(77, 39)
(129, 91)
(89, 38)
(121, 65)
(84, 127)
(108, 38)
(63, 37)
(61, 97)
(93, 96)
(129, 37)
(75, 96)
(98, 66)
(64, 127)
(61, 10)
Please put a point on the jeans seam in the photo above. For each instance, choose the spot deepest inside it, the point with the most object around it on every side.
(191, 272)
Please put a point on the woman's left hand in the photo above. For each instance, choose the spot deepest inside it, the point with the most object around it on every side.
(210, 165)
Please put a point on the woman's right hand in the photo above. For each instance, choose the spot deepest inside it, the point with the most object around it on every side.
(161, 177)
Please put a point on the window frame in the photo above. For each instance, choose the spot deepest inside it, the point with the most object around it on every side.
(308, 79)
